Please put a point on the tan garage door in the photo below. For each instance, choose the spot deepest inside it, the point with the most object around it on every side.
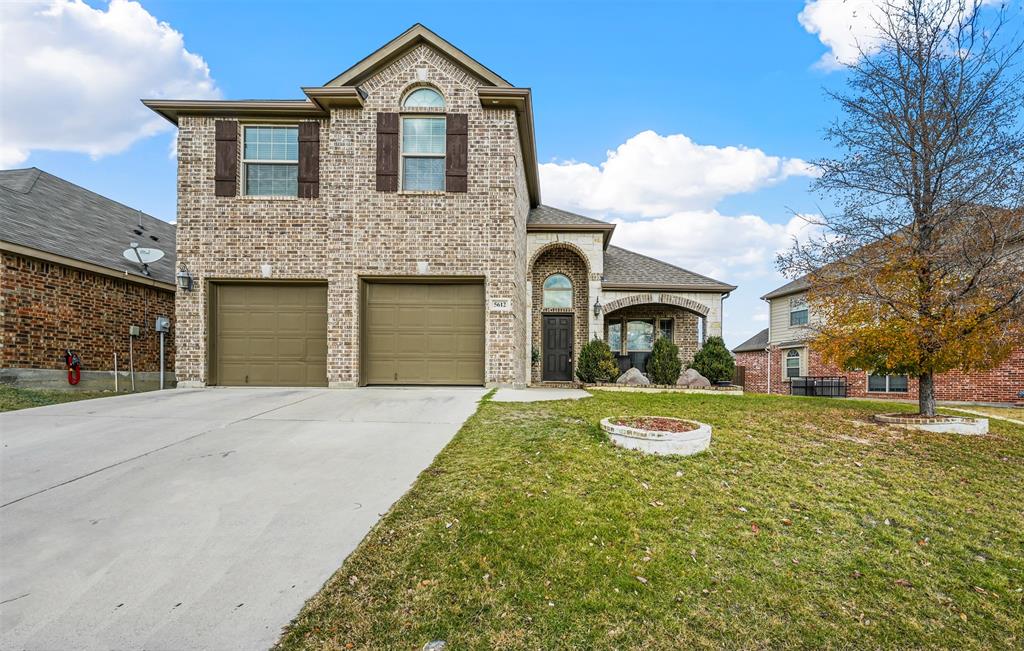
(420, 333)
(267, 334)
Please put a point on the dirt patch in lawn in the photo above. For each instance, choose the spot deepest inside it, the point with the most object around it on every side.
(656, 424)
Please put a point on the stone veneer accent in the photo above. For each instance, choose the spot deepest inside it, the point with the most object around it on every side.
(1000, 384)
(47, 307)
(352, 231)
(566, 260)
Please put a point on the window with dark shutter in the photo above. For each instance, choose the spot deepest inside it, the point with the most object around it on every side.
(226, 164)
(457, 154)
(387, 152)
(309, 160)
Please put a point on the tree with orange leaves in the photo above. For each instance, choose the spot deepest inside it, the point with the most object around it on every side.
(922, 268)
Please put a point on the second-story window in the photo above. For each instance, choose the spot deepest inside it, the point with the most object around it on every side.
(423, 142)
(270, 161)
(798, 311)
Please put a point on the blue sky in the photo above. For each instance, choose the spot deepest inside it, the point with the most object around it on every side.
(737, 84)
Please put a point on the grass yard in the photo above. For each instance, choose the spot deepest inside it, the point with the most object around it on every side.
(12, 398)
(805, 525)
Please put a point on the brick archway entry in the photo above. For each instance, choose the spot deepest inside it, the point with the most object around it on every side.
(559, 258)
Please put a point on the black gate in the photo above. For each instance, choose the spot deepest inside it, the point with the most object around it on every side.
(820, 386)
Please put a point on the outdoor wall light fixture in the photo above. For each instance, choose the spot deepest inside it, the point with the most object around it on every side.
(184, 278)
(597, 307)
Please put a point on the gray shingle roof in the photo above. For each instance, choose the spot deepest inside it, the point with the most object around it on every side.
(46, 213)
(757, 343)
(549, 216)
(623, 267)
(791, 287)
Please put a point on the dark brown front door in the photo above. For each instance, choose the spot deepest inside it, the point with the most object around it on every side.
(558, 348)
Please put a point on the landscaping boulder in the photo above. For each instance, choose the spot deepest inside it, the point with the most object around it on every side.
(633, 377)
(691, 379)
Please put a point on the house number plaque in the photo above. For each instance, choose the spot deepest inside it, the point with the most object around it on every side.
(501, 305)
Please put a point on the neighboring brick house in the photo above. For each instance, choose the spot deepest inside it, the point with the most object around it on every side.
(64, 284)
(387, 229)
(781, 352)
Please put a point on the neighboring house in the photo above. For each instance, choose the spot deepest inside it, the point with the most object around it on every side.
(781, 352)
(64, 284)
(388, 229)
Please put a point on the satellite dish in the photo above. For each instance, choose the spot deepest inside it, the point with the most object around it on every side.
(143, 255)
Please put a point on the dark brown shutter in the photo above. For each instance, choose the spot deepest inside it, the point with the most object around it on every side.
(456, 159)
(226, 166)
(309, 160)
(387, 152)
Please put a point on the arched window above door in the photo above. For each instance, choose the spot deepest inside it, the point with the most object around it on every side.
(557, 291)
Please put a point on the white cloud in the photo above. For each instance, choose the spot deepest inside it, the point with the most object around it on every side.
(734, 249)
(653, 175)
(73, 76)
(847, 27)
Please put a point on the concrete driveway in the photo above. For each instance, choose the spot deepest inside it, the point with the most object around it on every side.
(204, 518)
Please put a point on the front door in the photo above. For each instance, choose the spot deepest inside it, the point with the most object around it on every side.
(558, 348)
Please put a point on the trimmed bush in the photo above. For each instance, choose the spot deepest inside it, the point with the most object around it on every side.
(596, 363)
(663, 366)
(714, 361)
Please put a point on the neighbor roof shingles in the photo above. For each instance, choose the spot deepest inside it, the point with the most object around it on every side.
(756, 343)
(798, 285)
(46, 213)
(624, 267)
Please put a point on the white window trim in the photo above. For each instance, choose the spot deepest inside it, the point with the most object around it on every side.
(420, 86)
(259, 161)
(785, 368)
(867, 382)
(401, 149)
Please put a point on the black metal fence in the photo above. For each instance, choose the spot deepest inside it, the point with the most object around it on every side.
(820, 386)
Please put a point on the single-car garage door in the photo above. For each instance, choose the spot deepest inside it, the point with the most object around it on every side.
(423, 333)
(269, 334)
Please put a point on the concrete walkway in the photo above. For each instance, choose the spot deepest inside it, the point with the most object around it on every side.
(538, 394)
(198, 519)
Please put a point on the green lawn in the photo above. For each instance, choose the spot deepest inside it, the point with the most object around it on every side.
(805, 525)
(12, 398)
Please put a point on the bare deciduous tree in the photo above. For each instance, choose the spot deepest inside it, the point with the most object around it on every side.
(921, 268)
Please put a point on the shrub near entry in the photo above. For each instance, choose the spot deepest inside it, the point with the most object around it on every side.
(596, 363)
(663, 366)
(714, 361)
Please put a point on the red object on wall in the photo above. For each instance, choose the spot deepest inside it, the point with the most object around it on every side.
(74, 364)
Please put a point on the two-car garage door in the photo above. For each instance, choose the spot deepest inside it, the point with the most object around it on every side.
(269, 334)
(423, 333)
(275, 334)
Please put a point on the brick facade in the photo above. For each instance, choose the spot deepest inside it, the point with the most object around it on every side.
(563, 260)
(1000, 384)
(352, 231)
(47, 307)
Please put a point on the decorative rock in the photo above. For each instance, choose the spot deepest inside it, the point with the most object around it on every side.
(633, 377)
(655, 442)
(693, 380)
(435, 645)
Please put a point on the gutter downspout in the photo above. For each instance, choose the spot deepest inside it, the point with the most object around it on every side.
(768, 346)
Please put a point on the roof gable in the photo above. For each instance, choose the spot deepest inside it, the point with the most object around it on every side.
(405, 41)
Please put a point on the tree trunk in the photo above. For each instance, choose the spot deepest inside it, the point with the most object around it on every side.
(926, 394)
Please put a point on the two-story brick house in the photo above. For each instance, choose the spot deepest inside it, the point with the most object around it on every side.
(783, 351)
(388, 229)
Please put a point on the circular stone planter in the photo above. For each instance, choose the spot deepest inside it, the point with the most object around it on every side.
(660, 442)
(942, 424)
